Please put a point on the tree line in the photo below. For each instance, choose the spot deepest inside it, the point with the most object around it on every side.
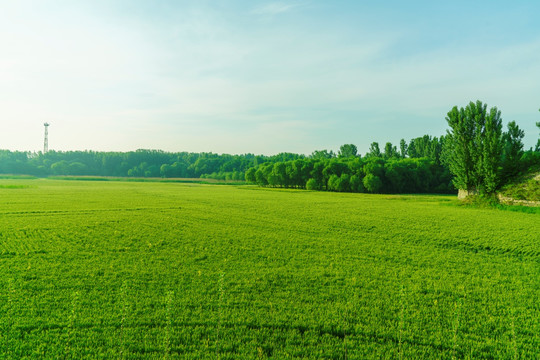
(475, 155)
(157, 163)
(140, 163)
(414, 167)
(370, 174)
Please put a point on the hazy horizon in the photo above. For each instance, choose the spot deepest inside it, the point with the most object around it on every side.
(259, 77)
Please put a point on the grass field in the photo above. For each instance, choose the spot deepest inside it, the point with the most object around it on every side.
(118, 270)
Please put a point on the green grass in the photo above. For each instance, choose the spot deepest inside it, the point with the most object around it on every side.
(128, 270)
(527, 190)
(526, 187)
(12, 186)
(137, 179)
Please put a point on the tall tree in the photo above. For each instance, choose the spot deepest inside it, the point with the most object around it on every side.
(347, 150)
(425, 146)
(374, 150)
(390, 151)
(473, 147)
(403, 148)
(512, 149)
(458, 152)
(491, 157)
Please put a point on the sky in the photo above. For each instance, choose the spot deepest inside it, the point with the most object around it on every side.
(259, 77)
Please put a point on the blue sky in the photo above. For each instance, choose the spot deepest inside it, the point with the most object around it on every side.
(259, 76)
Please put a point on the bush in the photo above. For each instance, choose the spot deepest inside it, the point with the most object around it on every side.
(482, 200)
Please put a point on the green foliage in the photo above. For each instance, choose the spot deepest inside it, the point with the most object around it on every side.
(374, 166)
(473, 147)
(312, 184)
(348, 150)
(250, 175)
(339, 183)
(482, 201)
(492, 147)
(374, 150)
(526, 187)
(512, 151)
(403, 148)
(348, 175)
(135, 270)
(426, 147)
(140, 163)
(390, 151)
(322, 154)
(333, 182)
(356, 184)
(372, 183)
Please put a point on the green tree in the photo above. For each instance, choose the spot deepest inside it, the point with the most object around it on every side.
(317, 172)
(425, 146)
(312, 184)
(250, 175)
(296, 170)
(307, 168)
(512, 150)
(60, 168)
(334, 167)
(356, 184)
(165, 170)
(262, 174)
(333, 182)
(278, 176)
(343, 183)
(77, 168)
(403, 148)
(322, 154)
(374, 150)
(372, 183)
(348, 150)
(396, 173)
(473, 147)
(390, 151)
(491, 157)
(374, 166)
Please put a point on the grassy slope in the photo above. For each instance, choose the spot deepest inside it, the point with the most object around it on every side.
(524, 188)
(150, 270)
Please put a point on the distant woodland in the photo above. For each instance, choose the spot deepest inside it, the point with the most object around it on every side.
(474, 154)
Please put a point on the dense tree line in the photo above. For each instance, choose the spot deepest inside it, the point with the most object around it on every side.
(415, 168)
(140, 163)
(356, 174)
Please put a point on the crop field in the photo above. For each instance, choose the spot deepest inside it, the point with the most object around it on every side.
(126, 270)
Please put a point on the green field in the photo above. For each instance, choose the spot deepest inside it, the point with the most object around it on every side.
(126, 270)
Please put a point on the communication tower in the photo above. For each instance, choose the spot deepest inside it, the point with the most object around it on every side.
(46, 143)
